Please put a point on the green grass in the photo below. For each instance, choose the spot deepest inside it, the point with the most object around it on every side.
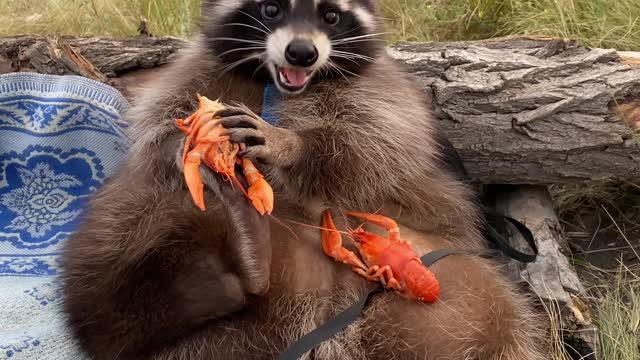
(617, 291)
(420, 20)
(598, 23)
(618, 317)
(623, 198)
(616, 314)
(113, 18)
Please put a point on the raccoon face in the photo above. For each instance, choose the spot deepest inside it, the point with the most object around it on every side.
(292, 42)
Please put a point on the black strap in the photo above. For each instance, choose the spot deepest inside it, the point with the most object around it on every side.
(348, 316)
(329, 328)
(501, 243)
(351, 314)
(452, 161)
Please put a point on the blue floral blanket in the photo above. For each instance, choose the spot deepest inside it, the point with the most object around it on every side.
(61, 137)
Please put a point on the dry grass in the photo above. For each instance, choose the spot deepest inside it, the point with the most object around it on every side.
(114, 18)
(597, 23)
(621, 197)
(616, 310)
(602, 23)
(618, 316)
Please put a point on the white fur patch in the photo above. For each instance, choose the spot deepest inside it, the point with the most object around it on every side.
(343, 5)
(323, 44)
(278, 41)
(226, 7)
(364, 17)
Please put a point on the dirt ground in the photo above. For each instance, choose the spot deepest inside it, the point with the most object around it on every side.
(594, 239)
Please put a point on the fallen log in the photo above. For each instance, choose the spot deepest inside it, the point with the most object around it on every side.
(521, 110)
(550, 277)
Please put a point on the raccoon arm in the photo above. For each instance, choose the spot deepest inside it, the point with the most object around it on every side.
(339, 164)
(360, 167)
(147, 267)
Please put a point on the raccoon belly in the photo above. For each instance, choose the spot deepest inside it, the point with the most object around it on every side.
(267, 328)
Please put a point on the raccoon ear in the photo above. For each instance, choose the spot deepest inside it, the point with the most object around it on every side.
(226, 3)
(371, 5)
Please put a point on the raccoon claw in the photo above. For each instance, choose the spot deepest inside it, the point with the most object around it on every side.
(264, 142)
(250, 137)
(239, 116)
(260, 153)
(239, 121)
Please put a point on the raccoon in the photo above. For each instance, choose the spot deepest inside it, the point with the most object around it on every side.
(148, 275)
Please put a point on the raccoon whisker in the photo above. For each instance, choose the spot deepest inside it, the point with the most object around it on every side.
(343, 33)
(357, 41)
(323, 71)
(250, 57)
(234, 65)
(351, 56)
(352, 73)
(258, 68)
(338, 41)
(246, 25)
(355, 58)
(262, 16)
(346, 58)
(258, 42)
(249, 15)
(242, 49)
(364, 36)
(337, 68)
(346, 54)
(240, 62)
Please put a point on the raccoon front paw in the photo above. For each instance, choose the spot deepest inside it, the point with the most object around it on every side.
(265, 143)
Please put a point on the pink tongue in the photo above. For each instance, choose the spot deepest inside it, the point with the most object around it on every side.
(295, 77)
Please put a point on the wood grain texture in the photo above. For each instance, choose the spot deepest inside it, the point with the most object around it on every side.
(551, 277)
(532, 111)
(520, 110)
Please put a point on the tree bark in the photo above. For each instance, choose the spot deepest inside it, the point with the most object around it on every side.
(124, 64)
(533, 110)
(521, 110)
(550, 277)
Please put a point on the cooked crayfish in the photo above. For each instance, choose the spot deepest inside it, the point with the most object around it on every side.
(206, 143)
(390, 260)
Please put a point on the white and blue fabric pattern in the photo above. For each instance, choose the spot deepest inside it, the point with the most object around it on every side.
(61, 137)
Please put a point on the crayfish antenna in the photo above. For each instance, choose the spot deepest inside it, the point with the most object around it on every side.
(316, 227)
(281, 223)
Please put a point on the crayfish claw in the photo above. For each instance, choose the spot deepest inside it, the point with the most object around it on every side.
(213, 148)
(261, 195)
(193, 179)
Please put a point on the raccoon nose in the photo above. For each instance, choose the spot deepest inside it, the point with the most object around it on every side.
(301, 53)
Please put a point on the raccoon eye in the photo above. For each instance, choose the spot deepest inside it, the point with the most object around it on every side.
(331, 17)
(271, 10)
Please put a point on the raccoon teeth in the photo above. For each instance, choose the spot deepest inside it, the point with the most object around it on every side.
(293, 77)
(283, 78)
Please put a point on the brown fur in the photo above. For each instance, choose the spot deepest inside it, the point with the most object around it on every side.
(150, 275)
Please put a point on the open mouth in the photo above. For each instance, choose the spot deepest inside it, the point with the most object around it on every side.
(293, 79)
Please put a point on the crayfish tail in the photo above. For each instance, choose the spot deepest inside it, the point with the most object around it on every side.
(421, 283)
